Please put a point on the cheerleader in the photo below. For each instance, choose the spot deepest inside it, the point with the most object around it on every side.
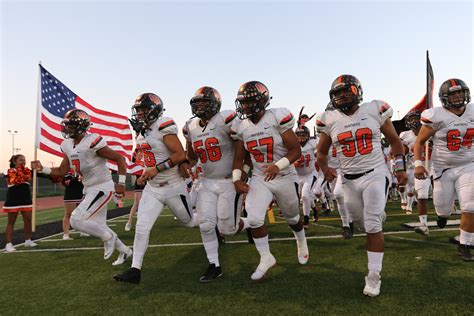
(18, 200)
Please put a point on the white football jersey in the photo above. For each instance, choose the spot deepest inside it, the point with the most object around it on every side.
(357, 137)
(213, 144)
(333, 160)
(85, 162)
(263, 140)
(305, 165)
(452, 141)
(154, 151)
(408, 139)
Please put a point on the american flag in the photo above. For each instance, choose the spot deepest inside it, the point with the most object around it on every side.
(55, 99)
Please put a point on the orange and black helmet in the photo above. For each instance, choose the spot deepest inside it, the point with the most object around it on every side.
(412, 120)
(450, 87)
(206, 102)
(253, 97)
(75, 123)
(148, 107)
(349, 83)
(303, 134)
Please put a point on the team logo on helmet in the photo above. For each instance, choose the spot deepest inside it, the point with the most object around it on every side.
(346, 93)
(75, 123)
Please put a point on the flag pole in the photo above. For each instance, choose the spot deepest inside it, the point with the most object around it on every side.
(35, 155)
(427, 106)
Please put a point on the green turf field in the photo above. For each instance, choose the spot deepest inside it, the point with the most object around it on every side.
(421, 275)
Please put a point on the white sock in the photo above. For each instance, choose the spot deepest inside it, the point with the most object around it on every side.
(9, 244)
(306, 206)
(403, 197)
(375, 261)
(262, 245)
(423, 219)
(300, 236)
(410, 200)
(211, 246)
(465, 238)
(27, 240)
(140, 244)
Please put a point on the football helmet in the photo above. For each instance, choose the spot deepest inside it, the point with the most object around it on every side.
(412, 120)
(206, 102)
(75, 123)
(303, 134)
(253, 97)
(352, 97)
(147, 109)
(451, 87)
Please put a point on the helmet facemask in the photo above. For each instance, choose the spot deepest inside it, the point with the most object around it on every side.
(75, 123)
(412, 121)
(345, 97)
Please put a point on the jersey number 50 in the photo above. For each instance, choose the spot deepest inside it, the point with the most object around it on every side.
(363, 140)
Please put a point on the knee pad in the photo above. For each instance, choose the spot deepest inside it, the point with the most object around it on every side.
(142, 227)
(207, 228)
(74, 223)
(373, 223)
(255, 222)
(468, 207)
(293, 220)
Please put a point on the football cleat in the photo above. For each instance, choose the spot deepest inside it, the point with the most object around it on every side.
(128, 226)
(303, 252)
(441, 221)
(123, 256)
(422, 230)
(132, 275)
(109, 246)
(266, 262)
(66, 237)
(465, 252)
(372, 285)
(29, 243)
(306, 222)
(409, 212)
(347, 232)
(211, 273)
(9, 248)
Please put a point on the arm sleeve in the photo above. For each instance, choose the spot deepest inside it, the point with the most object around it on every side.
(98, 142)
(322, 123)
(167, 127)
(385, 111)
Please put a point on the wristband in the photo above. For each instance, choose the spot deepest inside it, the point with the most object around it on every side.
(164, 165)
(282, 163)
(418, 163)
(46, 170)
(399, 163)
(236, 175)
(121, 179)
(246, 168)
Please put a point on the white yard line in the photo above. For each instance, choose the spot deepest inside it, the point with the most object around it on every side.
(338, 236)
(421, 240)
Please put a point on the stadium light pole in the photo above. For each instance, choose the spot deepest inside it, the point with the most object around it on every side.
(13, 133)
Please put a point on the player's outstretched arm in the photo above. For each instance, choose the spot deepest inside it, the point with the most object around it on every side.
(111, 154)
(237, 165)
(53, 172)
(425, 133)
(397, 150)
(322, 156)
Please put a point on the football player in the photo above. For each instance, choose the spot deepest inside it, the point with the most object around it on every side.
(306, 170)
(452, 129)
(422, 186)
(268, 137)
(87, 154)
(355, 130)
(209, 140)
(162, 153)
